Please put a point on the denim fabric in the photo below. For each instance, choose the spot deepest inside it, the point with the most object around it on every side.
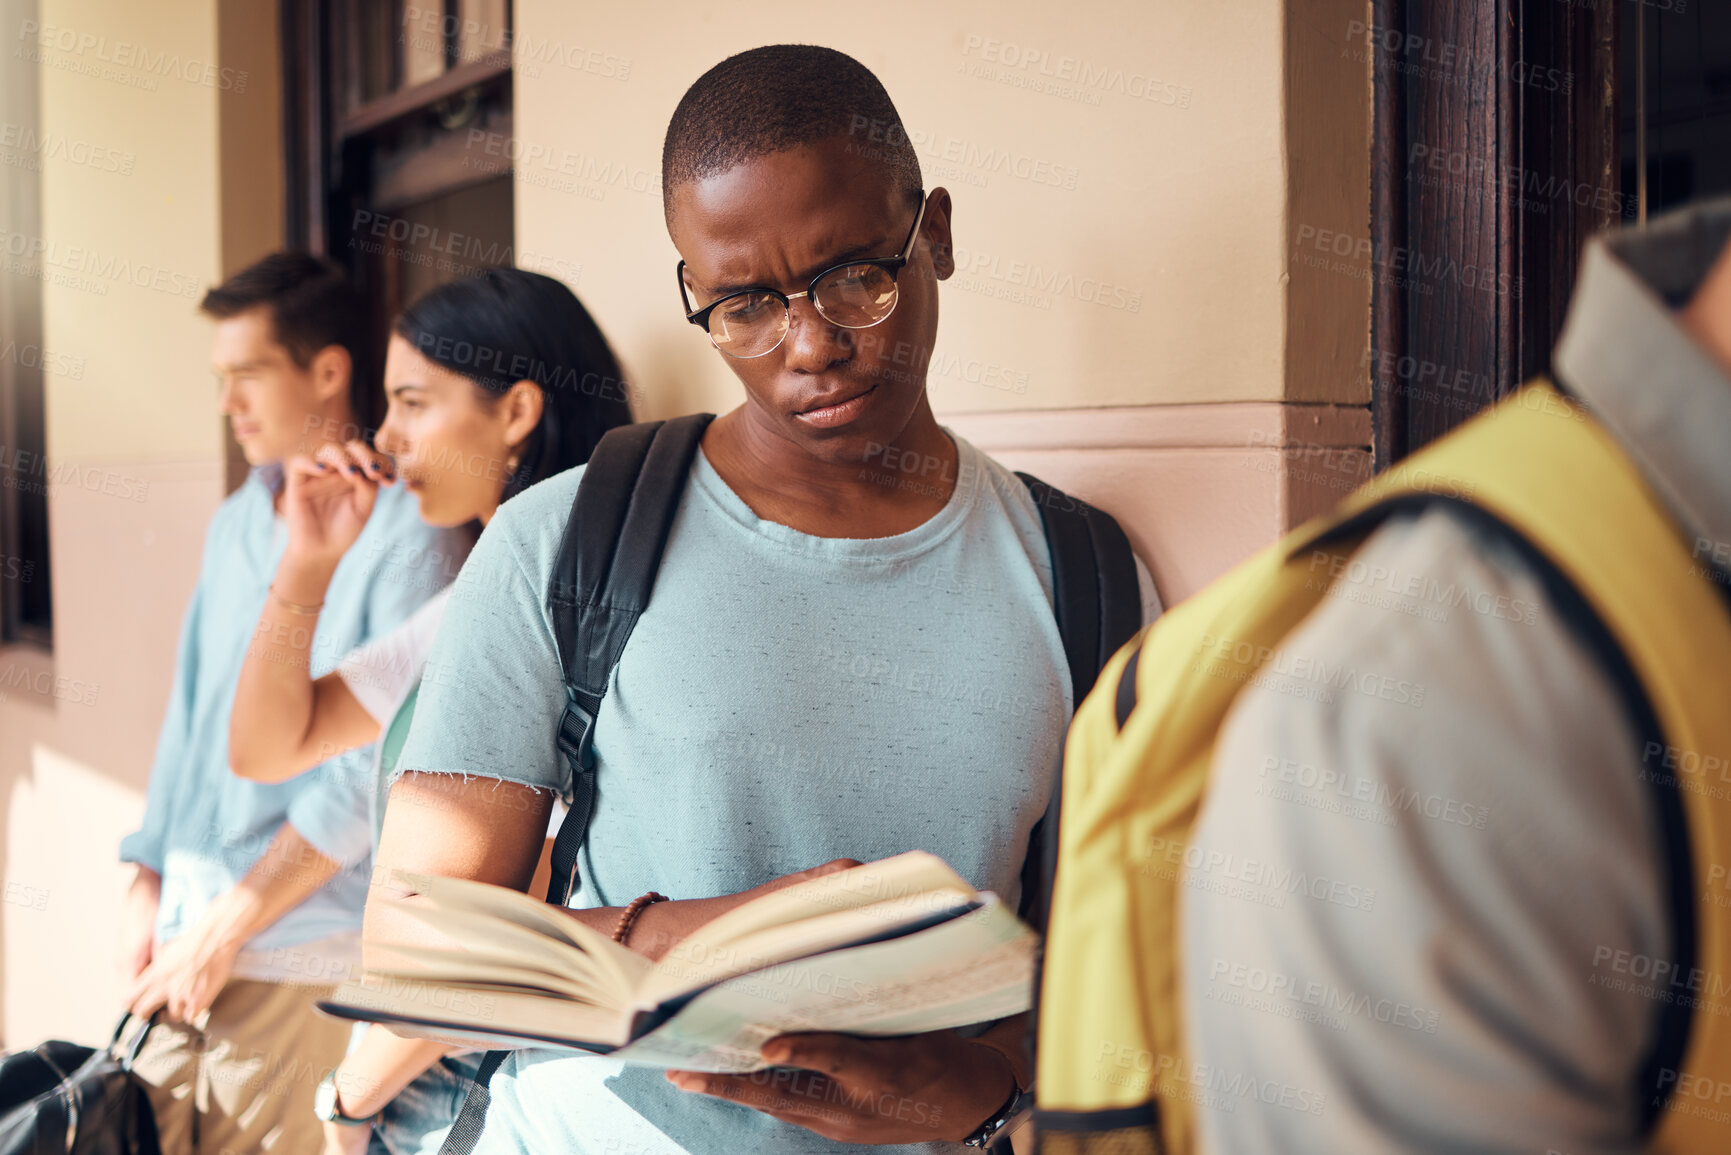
(417, 1120)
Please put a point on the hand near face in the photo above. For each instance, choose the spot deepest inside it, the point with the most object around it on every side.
(328, 498)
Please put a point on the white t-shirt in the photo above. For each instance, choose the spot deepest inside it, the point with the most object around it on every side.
(381, 674)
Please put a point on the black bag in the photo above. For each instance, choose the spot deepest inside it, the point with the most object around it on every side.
(67, 1099)
(608, 558)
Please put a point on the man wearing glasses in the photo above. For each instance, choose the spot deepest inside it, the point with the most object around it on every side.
(830, 668)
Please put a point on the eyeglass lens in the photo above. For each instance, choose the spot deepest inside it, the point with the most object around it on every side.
(853, 297)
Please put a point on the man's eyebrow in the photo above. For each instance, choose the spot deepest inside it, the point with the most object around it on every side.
(238, 366)
(868, 249)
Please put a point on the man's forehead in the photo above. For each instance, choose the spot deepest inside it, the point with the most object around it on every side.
(727, 226)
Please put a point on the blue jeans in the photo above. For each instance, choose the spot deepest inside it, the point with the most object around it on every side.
(417, 1120)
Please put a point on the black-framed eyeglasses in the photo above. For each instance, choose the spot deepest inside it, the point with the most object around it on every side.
(855, 294)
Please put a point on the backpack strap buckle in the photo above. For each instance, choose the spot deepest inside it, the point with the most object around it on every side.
(577, 732)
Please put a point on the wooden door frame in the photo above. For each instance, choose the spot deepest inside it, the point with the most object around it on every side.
(1517, 100)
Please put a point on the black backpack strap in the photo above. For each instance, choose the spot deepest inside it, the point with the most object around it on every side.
(606, 568)
(466, 1131)
(1098, 603)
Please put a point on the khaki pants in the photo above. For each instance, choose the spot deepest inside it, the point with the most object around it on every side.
(244, 1080)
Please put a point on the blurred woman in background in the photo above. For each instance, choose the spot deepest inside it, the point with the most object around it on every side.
(494, 382)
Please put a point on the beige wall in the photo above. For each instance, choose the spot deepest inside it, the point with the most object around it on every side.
(136, 448)
(1178, 202)
(1137, 186)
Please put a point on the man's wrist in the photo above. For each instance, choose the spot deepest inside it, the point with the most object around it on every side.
(329, 1106)
(1008, 1102)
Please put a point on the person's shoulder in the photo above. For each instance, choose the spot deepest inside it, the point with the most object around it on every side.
(996, 487)
(248, 510)
(547, 497)
(1442, 609)
(527, 530)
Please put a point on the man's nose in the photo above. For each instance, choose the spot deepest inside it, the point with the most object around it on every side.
(812, 343)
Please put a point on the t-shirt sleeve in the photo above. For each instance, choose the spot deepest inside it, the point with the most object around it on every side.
(330, 810)
(1401, 890)
(380, 672)
(492, 695)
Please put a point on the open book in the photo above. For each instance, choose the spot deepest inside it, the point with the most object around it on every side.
(895, 947)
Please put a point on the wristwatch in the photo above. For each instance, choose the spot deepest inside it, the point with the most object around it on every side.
(999, 1119)
(325, 1104)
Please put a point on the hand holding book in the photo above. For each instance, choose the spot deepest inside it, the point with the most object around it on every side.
(915, 1089)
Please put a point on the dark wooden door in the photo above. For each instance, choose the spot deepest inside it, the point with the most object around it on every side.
(1495, 155)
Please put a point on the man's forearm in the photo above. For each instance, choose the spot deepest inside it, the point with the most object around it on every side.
(285, 876)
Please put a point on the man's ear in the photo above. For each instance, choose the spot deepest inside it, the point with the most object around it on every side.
(521, 407)
(331, 368)
(937, 230)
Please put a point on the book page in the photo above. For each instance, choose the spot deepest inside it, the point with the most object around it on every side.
(619, 967)
(440, 1010)
(694, 963)
(974, 968)
(464, 968)
(900, 876)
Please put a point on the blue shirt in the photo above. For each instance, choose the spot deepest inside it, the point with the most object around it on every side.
(785, 700)
(203, 826)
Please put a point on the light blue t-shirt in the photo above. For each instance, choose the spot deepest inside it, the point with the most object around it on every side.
(203, 827)
(784, 700)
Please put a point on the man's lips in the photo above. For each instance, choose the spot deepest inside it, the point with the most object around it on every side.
(838, 411)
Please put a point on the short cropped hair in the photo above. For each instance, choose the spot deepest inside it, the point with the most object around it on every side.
(312, 305)
(779, 97)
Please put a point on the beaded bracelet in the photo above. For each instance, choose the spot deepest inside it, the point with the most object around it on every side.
(628, 916)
